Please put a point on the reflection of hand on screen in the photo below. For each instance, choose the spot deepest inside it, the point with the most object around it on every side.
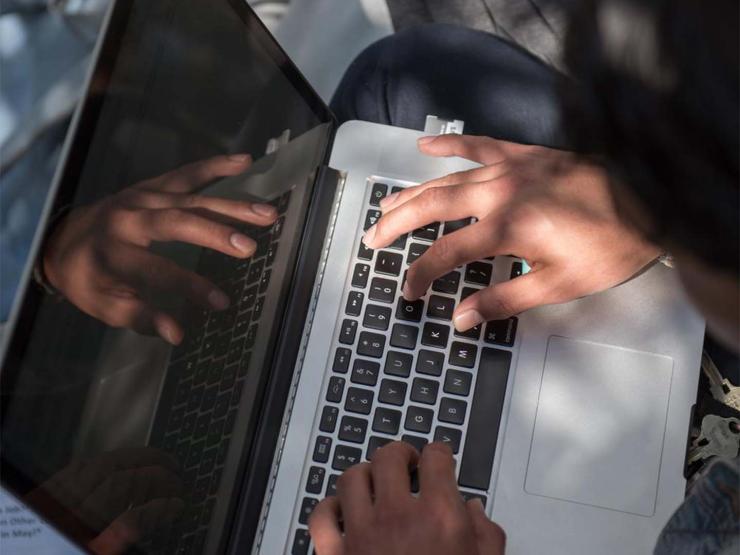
(98, 256)
(113, 501)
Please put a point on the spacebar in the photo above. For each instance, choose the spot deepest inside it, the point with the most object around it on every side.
(485, 417)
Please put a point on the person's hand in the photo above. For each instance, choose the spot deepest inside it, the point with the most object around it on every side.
(374, 511)
(113, 501)
(531, 202)
(98, 256)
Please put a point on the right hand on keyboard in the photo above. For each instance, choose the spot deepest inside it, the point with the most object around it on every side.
(532, 202)
(380, 515)
(98, 255)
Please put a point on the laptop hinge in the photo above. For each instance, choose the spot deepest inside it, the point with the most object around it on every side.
(440, 126)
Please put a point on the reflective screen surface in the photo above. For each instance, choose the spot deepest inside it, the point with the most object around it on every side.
(133, 382)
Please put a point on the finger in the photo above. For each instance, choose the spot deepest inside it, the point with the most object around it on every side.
(391, 470)
(477, 175)
(160, 282)
(175, 224)
(435, 204)
(323, 525)
(437, 473)
(136, 524)
(483, 150)
(355, 494)
(507, 299)
(489, 535)
(192, 177)
(473, 242)
(133, 313)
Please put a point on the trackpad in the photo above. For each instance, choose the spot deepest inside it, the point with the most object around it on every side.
(598, 435)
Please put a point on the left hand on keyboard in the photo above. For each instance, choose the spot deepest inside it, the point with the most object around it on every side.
(532, 202)
(380, 515)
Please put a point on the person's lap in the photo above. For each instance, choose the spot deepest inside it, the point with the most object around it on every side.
(497, 88)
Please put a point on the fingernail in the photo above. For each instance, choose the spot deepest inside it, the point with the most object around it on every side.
(387, 201)
(467, 320)
(264, 209)
(406, 292)
(369, 236)
(242, 243)
(218, 300)
(167, 333)
(239, 157)
(477, 503)
(427, 140)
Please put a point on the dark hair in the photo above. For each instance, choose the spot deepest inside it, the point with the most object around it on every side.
(654, 94)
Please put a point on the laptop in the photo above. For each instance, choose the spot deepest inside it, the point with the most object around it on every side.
(569, 422)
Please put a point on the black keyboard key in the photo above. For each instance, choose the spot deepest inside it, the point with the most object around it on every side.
(435, 335)
(301, 541)
(383, 290)
(440, 307)
(277, 227)
(247, 299)
(307, 507)
(365, 253)
(377, 317)
(365, 372)
(251, 337)
(375, 443)
(452, 410)
(501, 332)
(473, 333)
(392, 392)
(454, 225)
(242, 323)
(411, 311)
(222, 405)
(371, 218)
(430, 362)
(448, 283)
(417, 442)
(398, 364)
(427, 233)
(196, 398)
(463, 354)
(265, 280)
(458, 382)
(371, 344)
(331, 485)
(386, 421)
(378, 193)
(359, 400)
(258, 306)
(271, 254)
(348, 331)
(396, 189)
(335, 390)
(328, 421)
(416, 250)
(400, 243)
(341, 360)
(479, 273)
(424, 391)
(517, 269)
(419, 419)
(201, 425)
(315, 480)
(388, 263)
(346, 456)
(466, 292)
(209, 398)
(450, 436)
(353, 429)
(321, 449)
(255, 271)
(485, 417)
(360, 275)
(404, 336)
(354, 303)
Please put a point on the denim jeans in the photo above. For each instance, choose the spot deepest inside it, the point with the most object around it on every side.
(501, 91)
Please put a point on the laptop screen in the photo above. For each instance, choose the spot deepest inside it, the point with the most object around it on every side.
(134, 380)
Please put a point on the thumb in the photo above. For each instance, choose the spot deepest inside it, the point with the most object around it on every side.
(483, 150)
(505, 299)
(489, 535)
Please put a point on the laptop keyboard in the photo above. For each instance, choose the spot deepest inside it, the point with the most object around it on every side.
(399, 370)
(205, 379)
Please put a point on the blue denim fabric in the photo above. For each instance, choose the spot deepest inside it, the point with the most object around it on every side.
(708, 521)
